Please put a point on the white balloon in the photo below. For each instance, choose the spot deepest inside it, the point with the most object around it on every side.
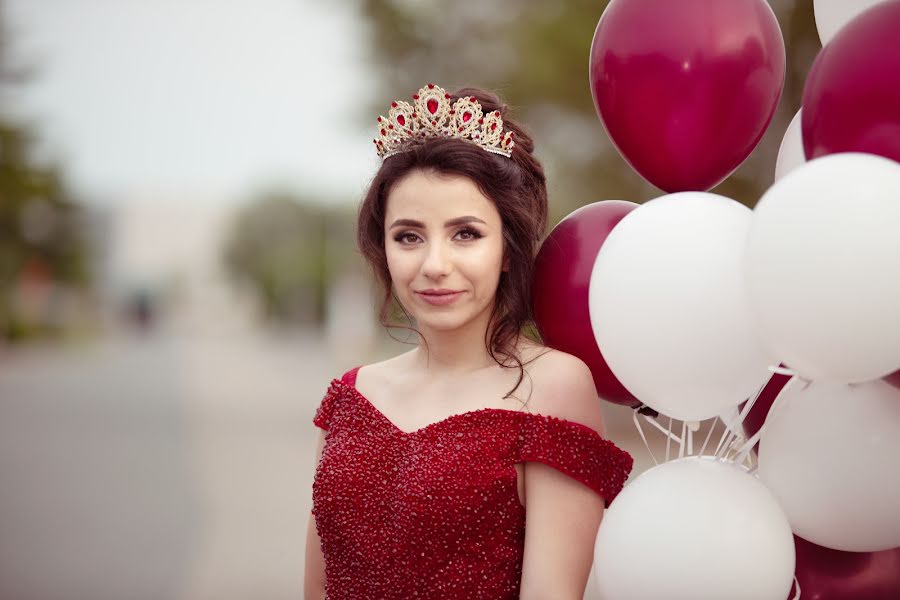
(829, 453)
(790, 153)
(668, 306)
(831, 15)
(695, 529)
(822, 268)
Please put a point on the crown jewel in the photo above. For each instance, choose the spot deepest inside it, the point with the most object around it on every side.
(432, 116)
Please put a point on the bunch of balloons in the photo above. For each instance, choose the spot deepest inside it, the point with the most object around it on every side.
(685, 302)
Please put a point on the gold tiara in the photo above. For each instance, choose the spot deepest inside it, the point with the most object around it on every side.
(432, 116)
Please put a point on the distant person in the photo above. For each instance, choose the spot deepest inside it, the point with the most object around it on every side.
(431, 457)
(143, 311)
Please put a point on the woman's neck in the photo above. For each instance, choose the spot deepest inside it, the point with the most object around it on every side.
(456, 352)
(443, 360)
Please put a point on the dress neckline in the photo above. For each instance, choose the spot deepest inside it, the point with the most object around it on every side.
(351, 388)
(382, 417)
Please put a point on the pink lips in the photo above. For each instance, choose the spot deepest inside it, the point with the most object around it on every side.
(440, 299)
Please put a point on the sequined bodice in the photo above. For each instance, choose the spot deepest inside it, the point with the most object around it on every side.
(435, 513)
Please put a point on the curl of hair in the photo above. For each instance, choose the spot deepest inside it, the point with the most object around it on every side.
(516, 185)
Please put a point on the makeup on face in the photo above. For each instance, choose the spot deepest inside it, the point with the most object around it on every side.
(444, 244)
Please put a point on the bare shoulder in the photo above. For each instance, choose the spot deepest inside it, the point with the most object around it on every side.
(564, 388)
(379, 374)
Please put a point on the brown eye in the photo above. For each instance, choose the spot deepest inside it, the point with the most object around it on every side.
(471, 233)
(403, 238)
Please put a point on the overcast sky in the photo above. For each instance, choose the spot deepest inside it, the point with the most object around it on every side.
(208, 97)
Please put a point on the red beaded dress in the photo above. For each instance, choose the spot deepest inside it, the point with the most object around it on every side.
(435, 513)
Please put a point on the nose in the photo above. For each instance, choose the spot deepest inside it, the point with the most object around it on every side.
(437, 262)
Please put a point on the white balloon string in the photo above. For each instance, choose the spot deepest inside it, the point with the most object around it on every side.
(637, 423)
(721, 439)
(732, 427)
(708, 436)
(662, 429)
(749, 460)
(725, 443)
(744, 452)
(668, 439)
(685, 441)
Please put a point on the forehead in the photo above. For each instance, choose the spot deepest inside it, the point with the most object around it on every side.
(437, 197)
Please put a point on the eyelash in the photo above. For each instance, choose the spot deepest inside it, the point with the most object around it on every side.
(475, 235)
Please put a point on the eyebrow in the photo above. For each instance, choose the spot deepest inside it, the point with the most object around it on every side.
(450, 223)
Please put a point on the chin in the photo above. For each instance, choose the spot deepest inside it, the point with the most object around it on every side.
(446, 322)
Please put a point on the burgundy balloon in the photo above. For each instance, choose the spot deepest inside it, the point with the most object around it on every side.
(757, 415)
(560, 291)
(826, 574)
(894, 379)
(686, 89)
(851, 100)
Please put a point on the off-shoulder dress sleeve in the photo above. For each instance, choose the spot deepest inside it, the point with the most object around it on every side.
(325, 411)
(576, 450)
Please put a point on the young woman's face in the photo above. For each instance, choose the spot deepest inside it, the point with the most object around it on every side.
(442, 234)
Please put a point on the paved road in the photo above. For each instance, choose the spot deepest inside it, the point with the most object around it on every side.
(157, 468)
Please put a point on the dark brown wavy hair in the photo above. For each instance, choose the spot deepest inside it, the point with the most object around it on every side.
(518, 188)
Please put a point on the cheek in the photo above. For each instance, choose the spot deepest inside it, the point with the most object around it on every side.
(486, 266)
(400, 265)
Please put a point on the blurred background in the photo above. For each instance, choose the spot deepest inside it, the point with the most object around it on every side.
(178, 273)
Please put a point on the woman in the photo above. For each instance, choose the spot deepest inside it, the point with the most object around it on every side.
(427, 461)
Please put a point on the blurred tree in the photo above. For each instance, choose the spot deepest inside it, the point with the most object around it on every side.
(288, 250)
(535, 54)
(40, 225)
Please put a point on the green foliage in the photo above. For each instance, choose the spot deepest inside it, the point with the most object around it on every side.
(40, 225)
(288, 250)
(276, 246)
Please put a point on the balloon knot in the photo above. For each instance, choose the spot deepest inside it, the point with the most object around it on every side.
(646, 410)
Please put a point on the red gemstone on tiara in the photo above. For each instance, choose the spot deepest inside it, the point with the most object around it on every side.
(401, 119)
(432, 105)
(430, 86)
(393, 105)
(473, 99)
(467, 116)
(415, 96)
(493, 126)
